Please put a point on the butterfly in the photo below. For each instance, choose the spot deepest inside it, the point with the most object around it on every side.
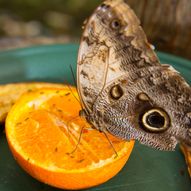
(123, 87)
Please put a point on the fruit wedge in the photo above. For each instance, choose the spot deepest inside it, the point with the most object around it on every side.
(43, 130)
(187, 154)
(9, 93)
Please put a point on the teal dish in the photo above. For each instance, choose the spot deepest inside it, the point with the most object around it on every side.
(146, 170)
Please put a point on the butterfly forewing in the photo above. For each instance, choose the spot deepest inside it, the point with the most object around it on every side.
(105, 54)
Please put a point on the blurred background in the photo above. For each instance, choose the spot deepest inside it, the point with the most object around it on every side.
(30, 18)
(167, 23)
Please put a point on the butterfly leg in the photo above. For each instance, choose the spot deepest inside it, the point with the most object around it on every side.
(110, 142)
(79, 139)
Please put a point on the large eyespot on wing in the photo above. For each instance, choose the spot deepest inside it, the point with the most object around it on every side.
(113, 45)
(155, 120)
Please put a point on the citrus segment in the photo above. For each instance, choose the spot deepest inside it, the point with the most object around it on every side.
(43, 130)
(187, 154)
(9, 94)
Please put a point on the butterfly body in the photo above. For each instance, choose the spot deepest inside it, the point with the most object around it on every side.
(122, 85)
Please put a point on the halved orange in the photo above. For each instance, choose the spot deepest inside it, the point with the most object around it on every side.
(187, 154)
(43, 130)
(9, 94)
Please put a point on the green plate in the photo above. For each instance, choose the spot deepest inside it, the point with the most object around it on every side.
(146, 170)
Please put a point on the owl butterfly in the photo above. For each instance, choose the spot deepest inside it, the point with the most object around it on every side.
(122, 85)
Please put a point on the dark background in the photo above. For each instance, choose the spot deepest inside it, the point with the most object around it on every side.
(167, 23)
(29, 18)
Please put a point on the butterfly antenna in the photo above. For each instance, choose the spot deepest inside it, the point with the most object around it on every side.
(74, 80)
(72, 71)
(70, 89)
(73, 94)
(78, 141)
(116, 154)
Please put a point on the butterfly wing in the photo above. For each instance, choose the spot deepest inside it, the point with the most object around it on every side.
(123, 85)
(100, 57)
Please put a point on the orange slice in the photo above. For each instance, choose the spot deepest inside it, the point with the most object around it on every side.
(187, 154)
(9, 93)
(43, 130)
